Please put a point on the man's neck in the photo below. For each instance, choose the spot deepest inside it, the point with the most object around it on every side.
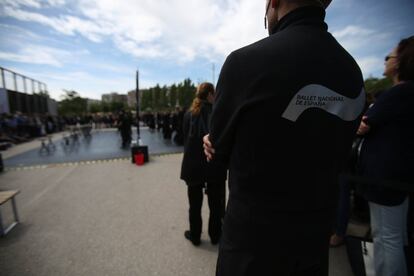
(311, 12)
(285, 8)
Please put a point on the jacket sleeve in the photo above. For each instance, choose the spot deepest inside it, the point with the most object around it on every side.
(227, 101)
(186, 126)
(386, 109)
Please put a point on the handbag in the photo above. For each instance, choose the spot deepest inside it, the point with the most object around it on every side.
(360, 251)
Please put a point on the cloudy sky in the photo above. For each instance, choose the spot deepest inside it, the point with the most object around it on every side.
(95, 46)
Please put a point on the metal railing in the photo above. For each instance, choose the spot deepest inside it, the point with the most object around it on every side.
(36, 85)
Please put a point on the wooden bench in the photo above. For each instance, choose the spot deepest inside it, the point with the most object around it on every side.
(4, 197)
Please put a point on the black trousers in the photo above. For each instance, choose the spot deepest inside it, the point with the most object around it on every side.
(126, 137)
(256, 242)
(216, 202)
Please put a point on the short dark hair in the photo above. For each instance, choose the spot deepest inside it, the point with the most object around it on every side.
(405, 53)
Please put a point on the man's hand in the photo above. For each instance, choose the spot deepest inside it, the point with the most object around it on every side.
(363, 127)
(208, 147)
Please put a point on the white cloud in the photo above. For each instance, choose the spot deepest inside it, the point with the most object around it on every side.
(138, 50)
(34, 3)
(16, 33)
(354, 38)
(67, 25)
(352, 31)
(26, 3)
(85, 84)
(181, 30)
(29, 16)
(30, 56)
(36, 54)
(54, 3)
(27, 58)
(370, 64)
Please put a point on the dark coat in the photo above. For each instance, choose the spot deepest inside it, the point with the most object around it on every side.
(294, 164)
(194, 167)
(386, 161)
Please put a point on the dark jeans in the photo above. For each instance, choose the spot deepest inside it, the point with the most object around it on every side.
(216, 201)
(126, 138)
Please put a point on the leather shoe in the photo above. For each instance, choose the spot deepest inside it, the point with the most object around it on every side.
(194, 241)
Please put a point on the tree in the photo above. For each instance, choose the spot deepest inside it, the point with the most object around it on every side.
(117, 106)
(186, 93)
(173, 95)
(375, 85)
(95, 108)
(161, 98)
(145, 102)
(72, 104)
(164, 100)
(156, 92)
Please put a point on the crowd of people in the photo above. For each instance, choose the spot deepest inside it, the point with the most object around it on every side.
(169, 123)
(18, 127)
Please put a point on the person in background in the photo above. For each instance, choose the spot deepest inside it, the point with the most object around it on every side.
(347, 185)
(387, 161)
(197, 173)
(124, 127)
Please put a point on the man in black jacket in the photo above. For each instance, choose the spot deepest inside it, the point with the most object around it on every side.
(286, 111)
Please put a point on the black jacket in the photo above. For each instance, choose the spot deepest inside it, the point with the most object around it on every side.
(194, 167)
(270, 123)
(386, 161)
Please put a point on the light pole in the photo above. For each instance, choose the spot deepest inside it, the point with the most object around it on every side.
(138, 148)
(137, 96)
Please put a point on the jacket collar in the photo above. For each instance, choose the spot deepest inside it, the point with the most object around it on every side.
(309, 15)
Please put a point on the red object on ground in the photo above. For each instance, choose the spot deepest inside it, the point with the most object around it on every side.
(139, 159)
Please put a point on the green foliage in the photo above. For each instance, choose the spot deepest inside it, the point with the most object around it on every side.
(117, 106)
(95, 108)
(155, 99)
(186, 93)
(105, 107)
(146, 99)
(166, 98)
(374, 85)
(72, 104)
(156, 91)
(173, 95)
(108, 107)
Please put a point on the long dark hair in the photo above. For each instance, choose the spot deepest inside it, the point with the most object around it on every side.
(405, 53)
(202, 93)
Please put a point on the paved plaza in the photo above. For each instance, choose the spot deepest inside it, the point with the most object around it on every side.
(108, 218)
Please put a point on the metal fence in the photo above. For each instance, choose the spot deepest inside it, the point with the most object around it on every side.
(16, 99)
(17, 82)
